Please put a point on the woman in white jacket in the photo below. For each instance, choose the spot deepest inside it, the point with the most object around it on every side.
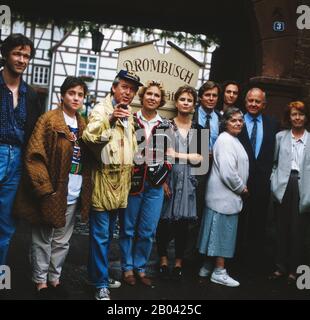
(223, 200)
(290, 188)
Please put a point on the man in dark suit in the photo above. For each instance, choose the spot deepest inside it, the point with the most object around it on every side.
(206, 117)
(258, 139)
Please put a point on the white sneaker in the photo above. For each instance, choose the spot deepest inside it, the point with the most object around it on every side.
(114, 284)
(222, 277)
(204, 272)
(102, 294)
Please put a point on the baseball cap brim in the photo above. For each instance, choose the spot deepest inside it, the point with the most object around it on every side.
(124, 74)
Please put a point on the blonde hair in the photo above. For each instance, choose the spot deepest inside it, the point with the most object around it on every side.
(153, 83)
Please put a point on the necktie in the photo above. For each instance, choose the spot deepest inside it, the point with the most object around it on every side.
(207, 124)
(253, 135)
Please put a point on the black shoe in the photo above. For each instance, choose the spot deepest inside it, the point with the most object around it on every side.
(177, 273)
(4, 294)
(146, 281)
(164, 272)
(276, 276)
(291, 280)
(43, 294)
(59, 292)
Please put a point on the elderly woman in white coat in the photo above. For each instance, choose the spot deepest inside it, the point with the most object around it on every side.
(223, 199)
(290, 188)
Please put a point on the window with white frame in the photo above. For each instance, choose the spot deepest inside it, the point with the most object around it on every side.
(87, 66)
(40, 75)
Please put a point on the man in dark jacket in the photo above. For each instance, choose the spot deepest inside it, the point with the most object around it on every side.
(207, 117)
(19, 111)
(258, 139)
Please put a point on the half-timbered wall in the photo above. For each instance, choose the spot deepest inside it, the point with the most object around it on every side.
(59, 55)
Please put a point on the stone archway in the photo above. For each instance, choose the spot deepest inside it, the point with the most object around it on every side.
(251, 51)
(282, 53)
(277, 61)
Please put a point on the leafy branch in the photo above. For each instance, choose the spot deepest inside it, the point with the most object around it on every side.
(205, 40)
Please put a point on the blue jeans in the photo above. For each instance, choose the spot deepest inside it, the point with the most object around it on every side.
(101, 225)
(10, 173)
(138, 223)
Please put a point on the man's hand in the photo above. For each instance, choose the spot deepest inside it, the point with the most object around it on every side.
(245, 193)
(167, 191)
(119, 113)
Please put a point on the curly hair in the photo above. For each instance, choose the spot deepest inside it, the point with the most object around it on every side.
(228, 114)
(153, 83)
(16, 40)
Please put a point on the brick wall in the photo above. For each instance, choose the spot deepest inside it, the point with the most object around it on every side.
(302, 62)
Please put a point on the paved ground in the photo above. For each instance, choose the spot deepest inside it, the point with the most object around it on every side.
(190, 288)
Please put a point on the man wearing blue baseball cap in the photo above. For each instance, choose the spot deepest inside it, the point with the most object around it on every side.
(110, 135)
(130, 76)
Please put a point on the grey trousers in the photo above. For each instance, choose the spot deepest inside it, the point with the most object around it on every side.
(50, 247)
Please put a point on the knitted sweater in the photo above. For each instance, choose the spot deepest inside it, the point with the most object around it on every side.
(229, 175)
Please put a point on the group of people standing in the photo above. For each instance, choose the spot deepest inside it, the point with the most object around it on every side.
(140, 168)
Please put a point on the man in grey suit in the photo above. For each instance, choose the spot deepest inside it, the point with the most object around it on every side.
(258, 139)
